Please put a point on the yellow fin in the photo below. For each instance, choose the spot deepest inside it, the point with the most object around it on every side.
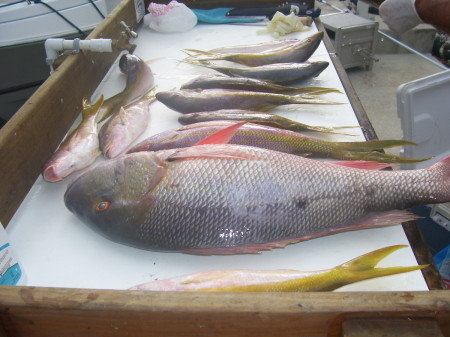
(90, 110)
(358, 269)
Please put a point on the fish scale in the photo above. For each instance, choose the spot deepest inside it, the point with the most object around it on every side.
(218, 204)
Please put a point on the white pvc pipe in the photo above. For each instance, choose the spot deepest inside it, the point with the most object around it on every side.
(54, 46)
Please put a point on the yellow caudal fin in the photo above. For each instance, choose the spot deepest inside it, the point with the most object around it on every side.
(363, 267)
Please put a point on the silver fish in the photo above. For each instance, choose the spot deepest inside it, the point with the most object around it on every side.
(228, 199)
(298, 52)
(256, 117)
(187, 101)
(255, 48)
(283, 280)
(276, 73)
(140, 80)
(79, 149)
(124, 127)
(275, 139)
(210, 81)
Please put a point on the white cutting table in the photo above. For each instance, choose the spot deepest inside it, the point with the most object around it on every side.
(57, 250)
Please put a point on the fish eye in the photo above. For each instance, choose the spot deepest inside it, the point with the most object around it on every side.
(102, 206)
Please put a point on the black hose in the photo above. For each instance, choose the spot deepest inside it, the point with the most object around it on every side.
(98, 10)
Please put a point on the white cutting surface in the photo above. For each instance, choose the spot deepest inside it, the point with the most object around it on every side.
(58, 250)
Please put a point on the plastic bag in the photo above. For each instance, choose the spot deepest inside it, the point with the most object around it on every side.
(172, 18)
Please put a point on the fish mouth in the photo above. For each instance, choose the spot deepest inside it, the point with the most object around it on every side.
(50, 174)
(68, 196)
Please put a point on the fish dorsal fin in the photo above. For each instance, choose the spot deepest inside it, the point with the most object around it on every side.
(91, 110)
(223, 151)
(362, 164)
(222, 136)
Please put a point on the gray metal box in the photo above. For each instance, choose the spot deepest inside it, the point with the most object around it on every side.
(353, 38)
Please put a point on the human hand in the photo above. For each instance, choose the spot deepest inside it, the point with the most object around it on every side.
(399, 15)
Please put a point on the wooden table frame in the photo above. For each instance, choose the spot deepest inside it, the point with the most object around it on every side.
(34, 132)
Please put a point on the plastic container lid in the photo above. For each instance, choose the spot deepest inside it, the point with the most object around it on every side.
(423, 106)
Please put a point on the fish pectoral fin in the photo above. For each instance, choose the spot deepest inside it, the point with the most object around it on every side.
(209, 152)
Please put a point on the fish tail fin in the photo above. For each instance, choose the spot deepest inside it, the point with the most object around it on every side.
(325, 129)
(374, 144)
(314, 90)
(364, 266)
(196, 62)
(197, 51)
(367, 151)
(309, 99)
(376, 156)
(202, 56)
(90, 110)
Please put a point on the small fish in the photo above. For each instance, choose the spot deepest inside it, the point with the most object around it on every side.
(231, 199)
(277, 73)
(80, 147)
(275, 139)
(257, 47)
(294, 52)
(256, 117)
(139, 81)
(123, 128)
(211, 81)
(283, 280)
(187, 101)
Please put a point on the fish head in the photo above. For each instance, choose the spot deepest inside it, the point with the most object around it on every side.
(115, 145)
(166, 96)
(129, 63)
(113, 139)
(60, 166)
(140, 77)
(113, 197)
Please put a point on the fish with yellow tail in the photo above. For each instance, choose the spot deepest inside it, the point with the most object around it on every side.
(271, 138)
(219, 198)
(139, 81)
(282, 73)
(188, 101)
(286, 280)
(296, 52)
(80, 147)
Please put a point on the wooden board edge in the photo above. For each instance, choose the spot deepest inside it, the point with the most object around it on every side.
(30, 311)
(36, 129)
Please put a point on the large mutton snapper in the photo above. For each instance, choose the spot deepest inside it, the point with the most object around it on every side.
(232, 199)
